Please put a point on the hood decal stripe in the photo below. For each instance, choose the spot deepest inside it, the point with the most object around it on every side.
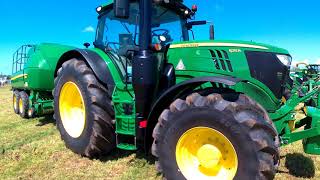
(216, 44)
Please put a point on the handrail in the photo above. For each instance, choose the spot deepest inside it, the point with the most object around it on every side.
(20, 57)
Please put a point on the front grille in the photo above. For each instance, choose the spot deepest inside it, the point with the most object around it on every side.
(221, 60)
(267, 68)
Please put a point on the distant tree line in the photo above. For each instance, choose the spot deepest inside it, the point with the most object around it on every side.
(3, 76)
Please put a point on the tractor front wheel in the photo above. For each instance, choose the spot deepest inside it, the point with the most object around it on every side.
(208, 137)
(83, 110)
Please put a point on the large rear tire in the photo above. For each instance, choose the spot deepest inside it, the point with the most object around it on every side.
(208, 137)
(83, 110)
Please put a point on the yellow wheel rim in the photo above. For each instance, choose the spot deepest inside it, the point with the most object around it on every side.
(20, 105)
(205, 153)
(15, 102)
(72, 109)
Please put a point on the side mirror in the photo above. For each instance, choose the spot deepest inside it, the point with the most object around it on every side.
(195, 23)
(121, 8)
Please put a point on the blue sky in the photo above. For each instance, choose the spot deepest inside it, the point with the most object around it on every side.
(291, 24)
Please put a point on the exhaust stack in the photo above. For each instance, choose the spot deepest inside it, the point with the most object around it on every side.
(145, 72)
(211, 32)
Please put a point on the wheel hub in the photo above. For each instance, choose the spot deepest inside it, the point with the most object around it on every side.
(205, 153)
(20, 105)
(72, 109)
(209, 156)
(15, 102)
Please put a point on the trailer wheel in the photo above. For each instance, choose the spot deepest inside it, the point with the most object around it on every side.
(23, 102)
(83, 110)
(208, 137)
(15, 101)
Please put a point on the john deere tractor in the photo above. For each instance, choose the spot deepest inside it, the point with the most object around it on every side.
(205, 109)
(308, 71)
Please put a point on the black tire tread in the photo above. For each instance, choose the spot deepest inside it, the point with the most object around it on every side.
(101, 140)
(247, 112)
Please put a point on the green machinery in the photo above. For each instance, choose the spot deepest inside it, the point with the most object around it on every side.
(303, 79)
(308, 71)
(32, 78)
(205, 109)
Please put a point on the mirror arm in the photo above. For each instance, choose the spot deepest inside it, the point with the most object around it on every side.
(189, 25)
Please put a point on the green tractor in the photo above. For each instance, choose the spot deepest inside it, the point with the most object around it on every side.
(308, 71)
(205, 109)
(303, 79)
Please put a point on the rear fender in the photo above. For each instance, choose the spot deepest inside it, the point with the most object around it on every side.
(94, 61)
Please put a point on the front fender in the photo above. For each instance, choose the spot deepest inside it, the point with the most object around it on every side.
(171, 94)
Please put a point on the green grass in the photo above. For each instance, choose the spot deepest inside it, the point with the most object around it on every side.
(32, 149)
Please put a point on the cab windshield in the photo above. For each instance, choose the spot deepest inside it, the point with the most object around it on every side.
(121, 35)
(314, 68)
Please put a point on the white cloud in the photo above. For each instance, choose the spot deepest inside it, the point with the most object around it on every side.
(318, 61)
(88, 29)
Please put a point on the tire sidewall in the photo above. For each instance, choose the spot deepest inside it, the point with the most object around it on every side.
(217, 120)
(79, 144)
(25, 104)
(16, 96)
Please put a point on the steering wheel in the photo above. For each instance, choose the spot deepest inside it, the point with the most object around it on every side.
(157, 32)
(160, 33)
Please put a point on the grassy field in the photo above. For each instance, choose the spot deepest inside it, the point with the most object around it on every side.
(32, 149)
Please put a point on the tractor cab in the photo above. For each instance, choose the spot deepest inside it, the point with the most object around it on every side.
(119, 37)
(313, 69)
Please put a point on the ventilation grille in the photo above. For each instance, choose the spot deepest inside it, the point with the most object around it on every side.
(221, 60)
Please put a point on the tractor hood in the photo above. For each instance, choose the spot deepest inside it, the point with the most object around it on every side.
(254, 62)
(231, 45)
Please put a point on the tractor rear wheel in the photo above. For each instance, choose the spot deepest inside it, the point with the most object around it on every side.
(15, 101)
(23, 102)
(83, 110)
(208, 137)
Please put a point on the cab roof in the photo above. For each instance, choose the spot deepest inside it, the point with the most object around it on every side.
(175, 5)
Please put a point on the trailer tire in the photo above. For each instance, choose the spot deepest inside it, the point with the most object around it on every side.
(15, 101)
(200, 123)
(96, 136)
(23, 104)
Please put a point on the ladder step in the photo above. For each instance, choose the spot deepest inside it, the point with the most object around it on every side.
(126, 117)
(129, 147)
(126, 142)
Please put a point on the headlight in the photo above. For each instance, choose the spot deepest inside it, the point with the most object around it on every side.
(285, 59)
(99, 9)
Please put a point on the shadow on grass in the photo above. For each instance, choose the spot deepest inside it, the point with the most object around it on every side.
(300, 165)
(119, 154)
(48, 119)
